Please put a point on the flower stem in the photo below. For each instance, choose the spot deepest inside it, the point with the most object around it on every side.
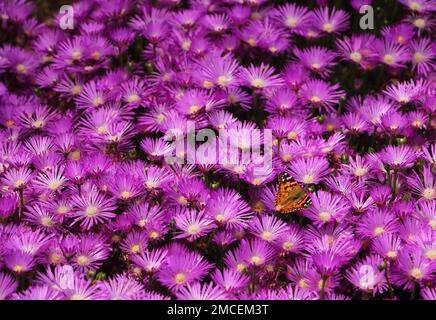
(279, 143)
(415, 287)
(21, 196)
(253, 279)
(394, 184)
(323, 282)
(391, 292)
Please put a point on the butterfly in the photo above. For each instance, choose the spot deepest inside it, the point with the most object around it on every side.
(290, 196)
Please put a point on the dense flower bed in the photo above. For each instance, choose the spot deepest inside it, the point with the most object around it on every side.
(90, 208)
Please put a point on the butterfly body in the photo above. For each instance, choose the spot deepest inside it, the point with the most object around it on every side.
(290, 196)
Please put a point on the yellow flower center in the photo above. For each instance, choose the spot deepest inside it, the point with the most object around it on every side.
(223, 80)
(388, 59)
(19, 183)
(292, 135)
(55, 258)
(160, 118)
(75, 155)
(125, 195)
(151, 184)
(356, 56)
(241, 267)
(417, 124)
(18, 268)
(428, 193)
(142, 222)
(360, 172)
(193, 229)
(76, 89)
(132, 98)
(378, 231)
(415, 6)
(431, 254)
(135, 248)
(256, 181)
(21, 68)
(91, 211)
(286, 157)
(330, 127)
(308, 178)
(324, 216)
(315, 99)
(418, 57)
(256, 260)
(287, 245)
(403, 99)
(220, 218)
(47, 222)
(54, 184)
(186, 45)
(291, 22)
(76, 55)
(258, 83)
(97, 101)
(419, 23)
(193, 109)
(416, 273)
(82, 260)
(391, 254)
(207, 84)
(267, 235)
(38, 124)
(327, 27)
(302, 283)
(182, 200)
(180, 278)
(154, 234)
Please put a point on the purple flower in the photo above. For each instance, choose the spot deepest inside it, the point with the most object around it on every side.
(268, 228)
(321, 94)
(182, 267)
(197, 291)
(309, 170)
(92, 208)
(261, 77)
(330, 21)
(377, 223)
(7, 286)
(230, 280)
(398, 157)
(192, 224)
(317, 59)
(326, 208)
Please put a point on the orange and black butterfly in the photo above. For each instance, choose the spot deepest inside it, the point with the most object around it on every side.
(291, 196)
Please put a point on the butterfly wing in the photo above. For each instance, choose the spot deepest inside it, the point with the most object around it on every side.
(290, 196)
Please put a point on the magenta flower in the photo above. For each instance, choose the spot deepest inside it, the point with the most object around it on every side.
(321, 94)
(197, 291)
(326, 208)
(182, 268)
(334, 21)
(92, 208)
(309, 170)
(261, 77)
(7, 286)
